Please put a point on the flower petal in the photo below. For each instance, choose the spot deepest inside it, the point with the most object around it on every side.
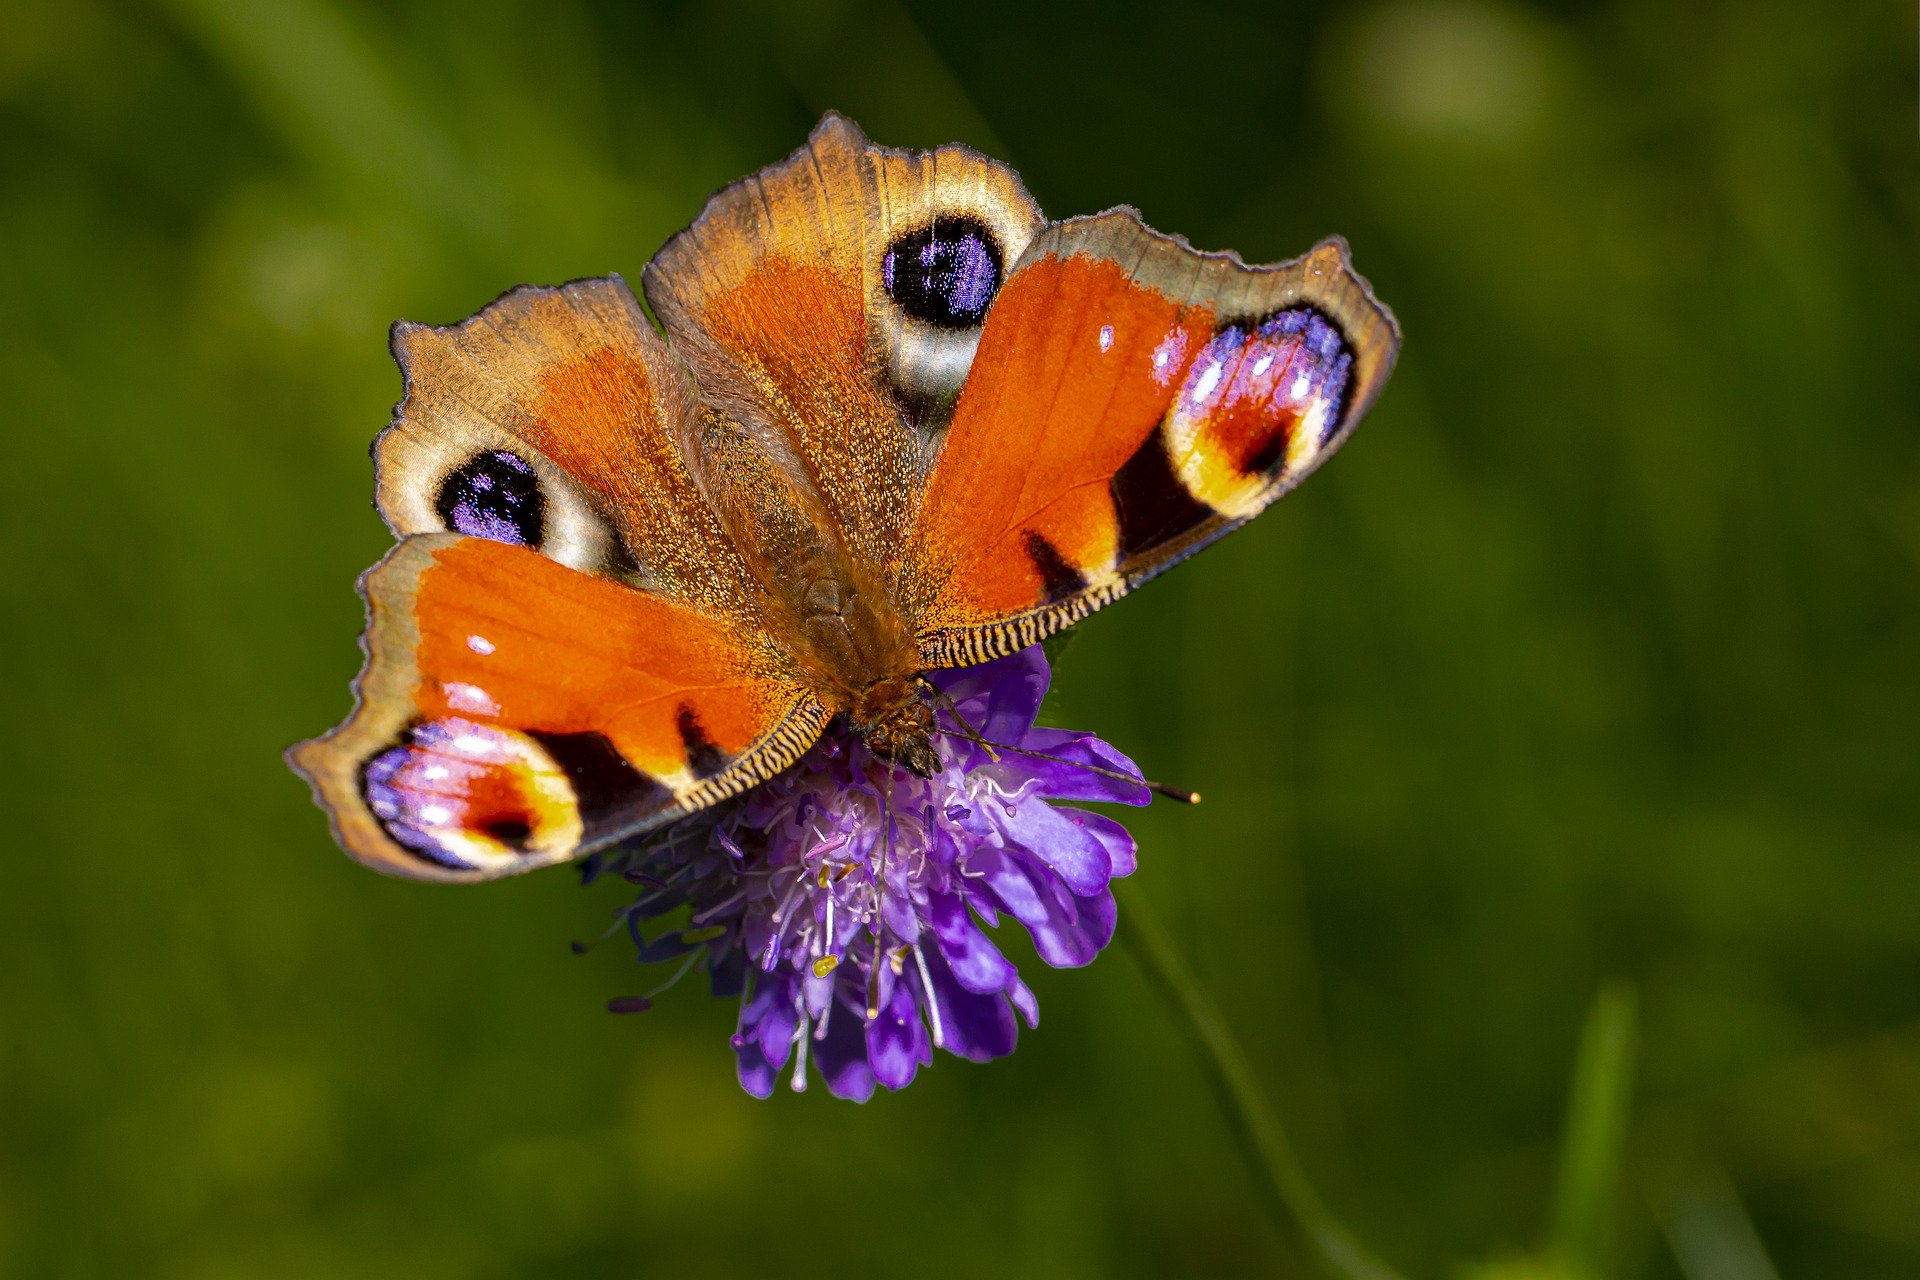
(897, 1041)
(976, 963)
(727, 974)
(1032, 894)
(1000, 697)
(842, 1055)
(1070, 778)
(757, 1076)
(1068, 930)
(1014, 890)
(1064, 840)
(1114, 837)
(764, 1038)
(976, 1027)
(1021, 996)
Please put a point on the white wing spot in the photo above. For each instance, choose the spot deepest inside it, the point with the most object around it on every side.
(1209, 379)
(470, 698)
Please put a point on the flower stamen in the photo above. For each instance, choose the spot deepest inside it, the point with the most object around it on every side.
(933, 1001)
(798, 1081)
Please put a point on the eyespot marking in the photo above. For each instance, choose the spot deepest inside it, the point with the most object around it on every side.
(469, 796)
(946, 273)
(494, 495)
(1258, 407)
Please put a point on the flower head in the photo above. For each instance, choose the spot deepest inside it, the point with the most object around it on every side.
(847, 901)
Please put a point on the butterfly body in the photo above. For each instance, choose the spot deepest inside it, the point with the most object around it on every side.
(860, 661)
(893, 421)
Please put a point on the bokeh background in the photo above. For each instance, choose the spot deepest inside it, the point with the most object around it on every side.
(1594, 658)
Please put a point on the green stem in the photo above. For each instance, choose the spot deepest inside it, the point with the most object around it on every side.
(1284, 1188)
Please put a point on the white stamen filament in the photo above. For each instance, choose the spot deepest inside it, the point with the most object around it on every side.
(933, 1005)
(782, 913)
(798, 1082)
(820, 1032)
(701, 917)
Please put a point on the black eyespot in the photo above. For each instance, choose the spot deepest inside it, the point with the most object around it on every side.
(495, 495)
(945, 273)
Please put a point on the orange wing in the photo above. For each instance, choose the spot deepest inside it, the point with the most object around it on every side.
(808, 301)
(592, 659)
(515, 712)
(557, 418)
(1131, 401)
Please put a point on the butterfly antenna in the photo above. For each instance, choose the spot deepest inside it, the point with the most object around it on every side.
(945, 700)
(1158, 788)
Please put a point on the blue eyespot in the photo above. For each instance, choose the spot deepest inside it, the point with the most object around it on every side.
(494, 495)
(946, 273)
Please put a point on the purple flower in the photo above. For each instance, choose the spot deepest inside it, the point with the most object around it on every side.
(847, 902)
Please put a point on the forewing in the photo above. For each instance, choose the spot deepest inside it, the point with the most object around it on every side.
(557, 419)
(515, 712)
(1132, 399)
(829, 307)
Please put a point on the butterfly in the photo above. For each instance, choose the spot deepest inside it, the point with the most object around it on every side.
(893, 421)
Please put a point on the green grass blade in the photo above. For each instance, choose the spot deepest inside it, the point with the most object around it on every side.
(1590, 1153)
(1283, 1184)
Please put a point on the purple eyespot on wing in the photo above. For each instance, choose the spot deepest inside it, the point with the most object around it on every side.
(494, 495)
(946, 273)
(1257, 383)
(466, 795)
(390, 782)
(1258, 406)
(1318, 368)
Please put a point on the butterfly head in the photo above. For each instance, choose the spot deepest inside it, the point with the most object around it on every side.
(893, 716)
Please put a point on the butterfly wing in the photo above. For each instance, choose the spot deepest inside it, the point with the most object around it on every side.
(829, 307)
(1131, 400)
(1004, 423)
(556, 418)
(516, 712)
(567, 648)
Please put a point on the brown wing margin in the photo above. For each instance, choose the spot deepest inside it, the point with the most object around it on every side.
(1132, 400)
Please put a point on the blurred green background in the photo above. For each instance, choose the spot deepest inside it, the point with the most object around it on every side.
(1595, 657)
